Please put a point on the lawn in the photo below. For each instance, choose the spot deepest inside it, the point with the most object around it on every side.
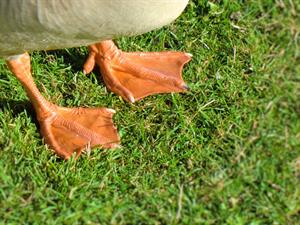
(226, 152)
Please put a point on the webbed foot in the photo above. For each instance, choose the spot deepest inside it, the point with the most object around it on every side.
(69, 130)
(137, 75)
(66, 130)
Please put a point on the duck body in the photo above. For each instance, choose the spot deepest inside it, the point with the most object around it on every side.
(28, 25)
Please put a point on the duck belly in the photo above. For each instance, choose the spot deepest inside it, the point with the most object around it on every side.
(28, 25)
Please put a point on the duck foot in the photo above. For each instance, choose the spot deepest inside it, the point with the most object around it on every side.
(66, 130)
(69, 130)
(137, 75)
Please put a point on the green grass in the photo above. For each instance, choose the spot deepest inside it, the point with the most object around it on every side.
(227, 152)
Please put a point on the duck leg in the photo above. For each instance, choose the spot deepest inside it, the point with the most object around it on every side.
(65, 130)
(137, 75)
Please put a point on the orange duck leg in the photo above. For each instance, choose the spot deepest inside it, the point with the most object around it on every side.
(66, 130)
(137, 75)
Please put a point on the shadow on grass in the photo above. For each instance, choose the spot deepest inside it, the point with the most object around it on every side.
(17, 107)
(74, 58)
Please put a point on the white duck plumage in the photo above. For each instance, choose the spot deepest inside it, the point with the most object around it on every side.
(28, 25)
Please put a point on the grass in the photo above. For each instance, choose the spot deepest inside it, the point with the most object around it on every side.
(227, 152)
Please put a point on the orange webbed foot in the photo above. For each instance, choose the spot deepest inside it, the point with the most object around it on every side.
(137, 75)
(66, 130)
(69, 130)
